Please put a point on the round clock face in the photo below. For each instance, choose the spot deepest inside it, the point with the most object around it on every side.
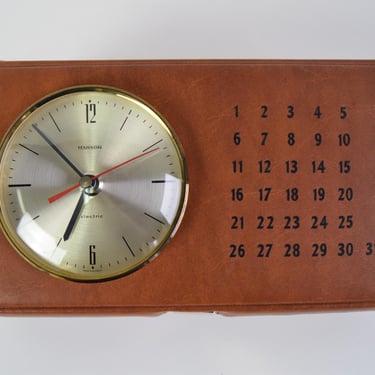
(92, 183)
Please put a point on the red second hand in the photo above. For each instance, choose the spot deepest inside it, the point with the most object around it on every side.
(57, 196)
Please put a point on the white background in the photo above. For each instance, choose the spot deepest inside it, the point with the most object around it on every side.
(188, 343)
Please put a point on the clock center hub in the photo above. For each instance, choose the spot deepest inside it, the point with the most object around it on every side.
(90, 184)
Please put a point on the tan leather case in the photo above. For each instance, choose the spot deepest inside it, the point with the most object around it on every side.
(261, 138)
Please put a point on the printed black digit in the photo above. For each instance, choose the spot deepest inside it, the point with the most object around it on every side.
(319, 194)
(264, 250)
(319, 222)
(319, 249)
(343, 113)
(292, 194)
(237, 251)
(264, 194)
(318, 112)
(344, 139)
(237, 166)
(264, 110)
(318, 139)
(318, 166)
(370, 246)
(345, 166)
(237, 138)
(292, 222)
(264, 166)
(345, 249)
(90, 113)
(92, 255)
(238, 222)
(292, 250)
(264, 137)
(291, 139)
(265, 222)
(345, 194)
(237, 194)
(290, 111)
(291, 166)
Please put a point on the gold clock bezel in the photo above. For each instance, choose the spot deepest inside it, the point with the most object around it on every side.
(27, 253)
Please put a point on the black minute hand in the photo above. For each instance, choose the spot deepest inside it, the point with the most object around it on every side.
(55, 148)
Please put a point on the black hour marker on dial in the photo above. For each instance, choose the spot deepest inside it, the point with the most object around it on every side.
(152, 217)
(53, 120)
(124, 122)
(28, 149)
(127, 244)
(161, 181)
(152, 145)
(19, 185)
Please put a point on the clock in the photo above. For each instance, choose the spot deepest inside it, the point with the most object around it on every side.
(280, 186)
(93, 185)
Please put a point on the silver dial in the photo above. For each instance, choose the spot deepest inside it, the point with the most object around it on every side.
(93, 183)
